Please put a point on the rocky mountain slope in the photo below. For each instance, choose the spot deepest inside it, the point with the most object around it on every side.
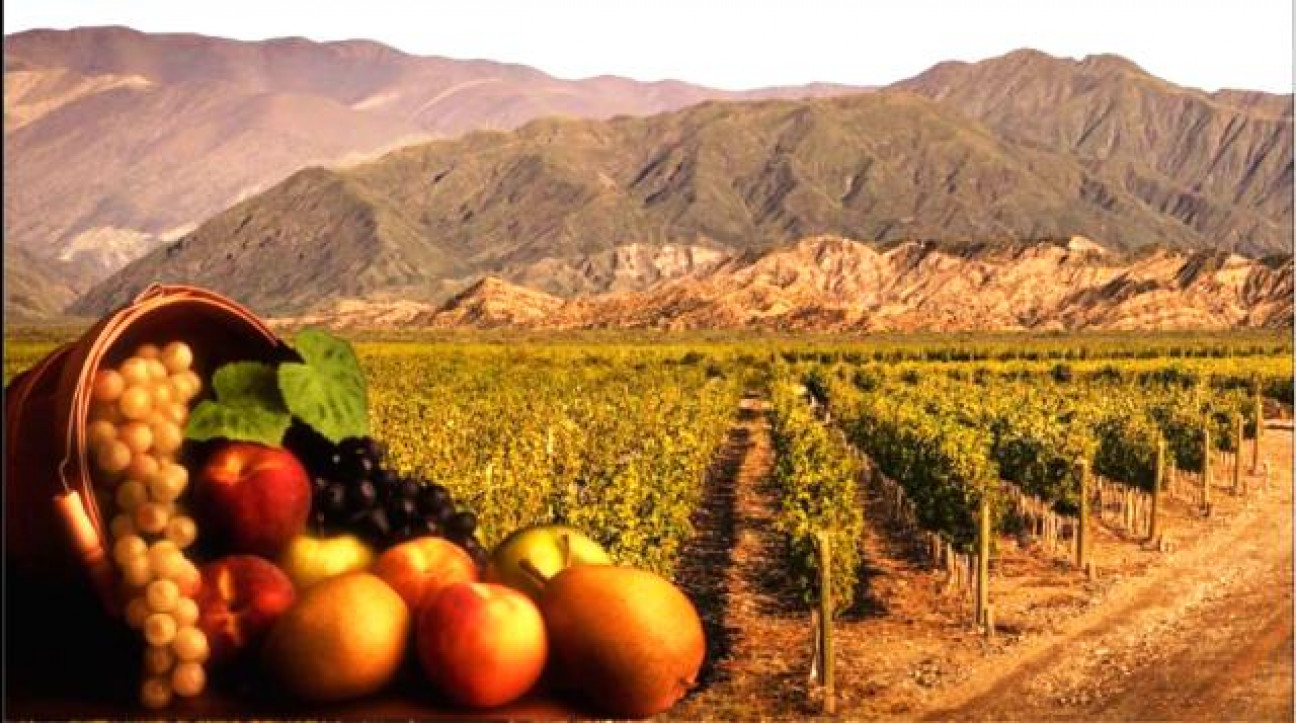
(552, 203)
(1219, 164)
(117, 141)
(33, 292)
(832, 284)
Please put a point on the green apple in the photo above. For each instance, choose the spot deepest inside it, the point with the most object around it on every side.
(543, 551)
(309, 560)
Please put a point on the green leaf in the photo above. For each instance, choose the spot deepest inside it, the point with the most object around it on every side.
(248, 423)
(326, 391)
(247, 407)
(248, 381)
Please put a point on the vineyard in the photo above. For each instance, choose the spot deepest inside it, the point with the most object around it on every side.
(952, 435)
(618, 446)
(1022, 440)
(971, 455)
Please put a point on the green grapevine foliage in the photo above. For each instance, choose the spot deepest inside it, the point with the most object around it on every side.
(816, 476)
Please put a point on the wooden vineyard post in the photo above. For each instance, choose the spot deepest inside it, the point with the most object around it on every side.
(1259, 431)
(1206, 468)
(983, 565)
(827, 665)
(1237, 454)
(1154, 522)
(1082, 525)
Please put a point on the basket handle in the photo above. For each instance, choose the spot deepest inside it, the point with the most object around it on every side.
(152, 290)
(156, 290)
(88, 546)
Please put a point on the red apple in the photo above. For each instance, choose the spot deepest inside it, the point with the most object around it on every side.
(420, 568)
(240, 599)
(253, 498)
(481, 644)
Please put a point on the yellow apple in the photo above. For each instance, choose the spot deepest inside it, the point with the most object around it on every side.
(308, 560)
(549, 549)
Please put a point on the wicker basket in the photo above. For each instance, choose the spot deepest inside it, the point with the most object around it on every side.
(54, 529)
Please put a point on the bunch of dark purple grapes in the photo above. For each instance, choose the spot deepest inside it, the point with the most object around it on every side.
(355, 492)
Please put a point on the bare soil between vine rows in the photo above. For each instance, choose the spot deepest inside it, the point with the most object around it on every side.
(1203, 632)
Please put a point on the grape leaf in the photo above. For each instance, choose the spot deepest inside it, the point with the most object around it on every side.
(327, 390)
(247, 407)
(246, 381)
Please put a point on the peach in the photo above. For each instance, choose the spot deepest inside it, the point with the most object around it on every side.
(420, 568)
(240, 599)
(481, 644)
(253, 498)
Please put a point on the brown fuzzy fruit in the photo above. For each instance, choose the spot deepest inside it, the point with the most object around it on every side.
(626, 639)
(344, 638)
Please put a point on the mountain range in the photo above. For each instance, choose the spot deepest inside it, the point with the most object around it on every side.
(117, 141)
(610, 212)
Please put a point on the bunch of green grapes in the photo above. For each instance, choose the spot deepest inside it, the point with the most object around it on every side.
(137, 414)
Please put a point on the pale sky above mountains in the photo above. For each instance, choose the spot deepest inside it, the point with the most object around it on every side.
(743, 44)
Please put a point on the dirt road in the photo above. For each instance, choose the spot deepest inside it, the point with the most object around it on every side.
(744, 596)
(1205, 635)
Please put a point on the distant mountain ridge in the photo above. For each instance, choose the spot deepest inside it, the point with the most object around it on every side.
(829, 284)
(1081, 150)
(117, 141)
(1219, 163)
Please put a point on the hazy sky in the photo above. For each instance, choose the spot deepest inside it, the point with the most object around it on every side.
(730, 44)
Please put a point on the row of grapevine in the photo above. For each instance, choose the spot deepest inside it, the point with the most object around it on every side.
(1019, 348)
(816, 475)
(951, 438)
(1270, 375)
(941, 462)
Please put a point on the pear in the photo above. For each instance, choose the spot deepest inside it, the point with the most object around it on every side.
(626, 639)
(345, 638)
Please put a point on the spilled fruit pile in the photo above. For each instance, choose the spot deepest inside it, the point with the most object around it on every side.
(326, 570)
